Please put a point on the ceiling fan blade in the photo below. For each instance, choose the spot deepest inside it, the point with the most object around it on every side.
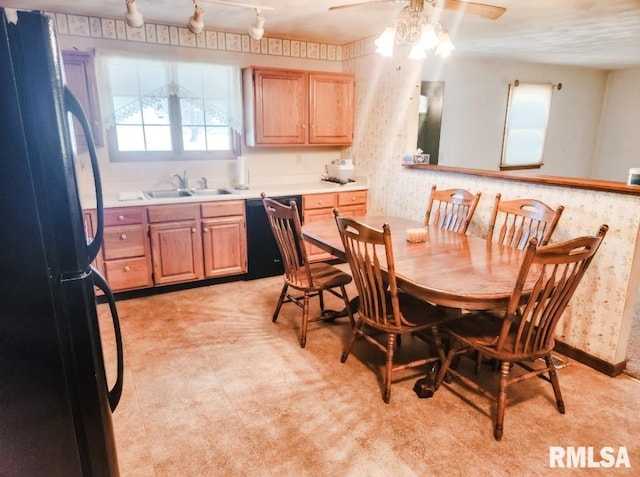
(490, 12)
(238, 4)
(349, 5)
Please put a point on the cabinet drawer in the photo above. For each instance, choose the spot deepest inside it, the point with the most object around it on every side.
(351, 198)
(123, 216)
(171, 213)
(319, 201)
(128, 273)
(222, 209)
(124, 241)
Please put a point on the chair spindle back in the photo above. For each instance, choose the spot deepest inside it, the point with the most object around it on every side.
(451, 209)
(556, 270)
(518, 221)
(367, 250)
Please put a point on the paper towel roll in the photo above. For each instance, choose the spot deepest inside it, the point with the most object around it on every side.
(242, 173)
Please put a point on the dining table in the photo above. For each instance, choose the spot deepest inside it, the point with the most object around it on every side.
(448, 268)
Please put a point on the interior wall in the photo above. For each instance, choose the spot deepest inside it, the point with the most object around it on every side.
(618, 146)
(475, 103)
(265, 165)
(598, 322)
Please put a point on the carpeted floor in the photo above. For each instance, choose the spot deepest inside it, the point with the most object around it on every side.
(633, 349)
(214, 388)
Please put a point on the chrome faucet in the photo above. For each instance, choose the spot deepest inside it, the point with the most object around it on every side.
(204, 182)
(183, 182)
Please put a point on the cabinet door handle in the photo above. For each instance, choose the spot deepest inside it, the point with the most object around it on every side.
(120, 218)
(205, 230)
(194, 230)
(353, 199)
(127, 268)
(123, 237)
(304, 126)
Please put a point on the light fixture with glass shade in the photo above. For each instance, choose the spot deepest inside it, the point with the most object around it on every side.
(415, 29)
(133, 17)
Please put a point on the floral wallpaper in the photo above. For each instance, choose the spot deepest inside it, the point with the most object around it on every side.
(598, 319)
(170, 35)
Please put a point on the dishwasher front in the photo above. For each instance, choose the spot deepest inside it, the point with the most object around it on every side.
(263, 255)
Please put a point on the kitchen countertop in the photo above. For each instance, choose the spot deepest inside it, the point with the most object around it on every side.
(111, 199)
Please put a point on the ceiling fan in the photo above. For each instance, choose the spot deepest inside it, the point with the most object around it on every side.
(490, 12)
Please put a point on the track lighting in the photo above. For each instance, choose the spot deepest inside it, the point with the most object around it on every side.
(133, 17)
(196, 23)
(257, 29)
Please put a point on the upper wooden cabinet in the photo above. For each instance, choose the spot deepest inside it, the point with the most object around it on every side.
(291, 107)
(81, 80)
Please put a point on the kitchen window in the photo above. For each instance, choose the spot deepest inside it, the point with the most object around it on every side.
(528, 107)
(161, 110)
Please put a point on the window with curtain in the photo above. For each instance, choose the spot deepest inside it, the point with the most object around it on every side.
(527, 116)
(161, 110)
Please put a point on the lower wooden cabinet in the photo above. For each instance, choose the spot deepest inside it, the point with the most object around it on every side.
(125, 257)
(316, 207)
(197, 241)
(224, 238)
(176, 243)
(156, 245)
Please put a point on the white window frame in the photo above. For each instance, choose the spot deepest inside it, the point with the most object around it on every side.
(524, 132)
(179, 150)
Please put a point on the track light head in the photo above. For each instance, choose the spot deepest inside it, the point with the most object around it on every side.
(196, 21)
(257, 29)
(133, 17)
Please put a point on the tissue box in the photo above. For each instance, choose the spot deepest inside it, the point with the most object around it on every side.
(341, 172)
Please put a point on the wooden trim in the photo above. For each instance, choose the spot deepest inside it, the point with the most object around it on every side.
(593, 362)
(574, 182)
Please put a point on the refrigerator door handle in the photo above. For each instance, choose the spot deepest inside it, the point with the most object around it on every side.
(116, 391)
(73, 106)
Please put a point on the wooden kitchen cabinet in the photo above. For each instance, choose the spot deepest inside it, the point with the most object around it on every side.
(224, 238)
(125, 249)
(176, 243)
(294, 107)
(331, 108)
(316, 207)
(81, 80)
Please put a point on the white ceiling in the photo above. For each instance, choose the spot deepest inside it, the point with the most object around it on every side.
(592, 33)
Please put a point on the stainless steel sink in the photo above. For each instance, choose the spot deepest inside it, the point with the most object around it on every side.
(210, 191)
(167, 194)
(178, 193)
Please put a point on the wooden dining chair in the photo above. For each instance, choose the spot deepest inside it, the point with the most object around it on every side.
(381, 307)
(517, 221)
(310, 279)
(524, 332)
(451, 209)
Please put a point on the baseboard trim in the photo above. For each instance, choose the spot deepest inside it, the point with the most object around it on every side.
(585, 358)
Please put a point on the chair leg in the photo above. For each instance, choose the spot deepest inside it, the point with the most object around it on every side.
(280, 301)
(305, 320)
(555, 382)
(352, 340)
(391, 343)
(505, 367)
(321, 298)
(347, 305)
(446, 364)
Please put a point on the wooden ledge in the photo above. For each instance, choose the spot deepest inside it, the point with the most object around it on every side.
(573, 182)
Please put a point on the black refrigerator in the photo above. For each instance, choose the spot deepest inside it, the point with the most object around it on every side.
(55, 403)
